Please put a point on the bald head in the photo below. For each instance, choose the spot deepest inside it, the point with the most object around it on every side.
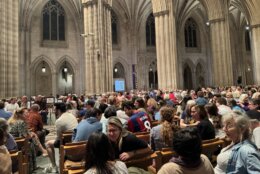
(35, 108)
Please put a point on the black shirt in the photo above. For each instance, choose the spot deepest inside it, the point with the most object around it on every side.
(206, 130)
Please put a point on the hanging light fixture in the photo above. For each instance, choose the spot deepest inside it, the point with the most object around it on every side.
(115, 69)
(43, 67)
(65, 69)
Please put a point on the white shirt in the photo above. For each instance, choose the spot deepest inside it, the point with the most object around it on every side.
(65, 122)
(12, 107)
(256, 137)
(118, 168)
(222, 160)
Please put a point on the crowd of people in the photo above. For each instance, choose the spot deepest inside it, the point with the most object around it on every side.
(109, 123)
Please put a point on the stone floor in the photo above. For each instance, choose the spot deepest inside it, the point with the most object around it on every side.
(43, 162)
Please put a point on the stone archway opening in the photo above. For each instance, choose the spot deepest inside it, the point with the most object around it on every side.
(187, 77)
(43, 79)
(65, 79)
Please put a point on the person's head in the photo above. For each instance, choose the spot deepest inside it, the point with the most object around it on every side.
(167, 114)
(243, 99)
(200, 94)
(35, 108)
(98, 152)
(2, 104)
(90, 104)
(198, 112)
(110, 111)
(139, 103)
(189, 104)
(90, 113)
(115, 130)
(211, 109)
(19, 114)
(102, 107)
(59, 109)
(254, 104)
(3, 131)
(221, 101)
(236, 126)
(217, 121)
(24, 99)
(13, 100)
(187, 144)
(128, 107)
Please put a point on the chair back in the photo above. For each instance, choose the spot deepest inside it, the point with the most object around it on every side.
(143, 162)
(72, 156)
(66, 137)
(145, 137)
(17, 161)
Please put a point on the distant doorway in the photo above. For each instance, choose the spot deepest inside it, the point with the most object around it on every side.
(187, 77)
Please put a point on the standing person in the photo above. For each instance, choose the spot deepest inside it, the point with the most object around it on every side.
(125, 144)
(241, 156)
(189, 160)
(64, 121)
(100, 157)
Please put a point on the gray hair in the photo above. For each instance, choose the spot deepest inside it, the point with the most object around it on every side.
(242, 123)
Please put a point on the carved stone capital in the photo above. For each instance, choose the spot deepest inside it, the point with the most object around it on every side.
(161, 13)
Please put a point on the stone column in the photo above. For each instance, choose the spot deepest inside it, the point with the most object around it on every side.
(256, 52)
(166, 45)
(98, 46)
(9, 57)
(221, 52)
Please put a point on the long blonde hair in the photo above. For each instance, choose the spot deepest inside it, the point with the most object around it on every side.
(168, 127)
(116, 122)
(17, 115)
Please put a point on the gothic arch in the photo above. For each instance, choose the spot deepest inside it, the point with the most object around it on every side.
(71, 62)
(39, 60)
(127, 68)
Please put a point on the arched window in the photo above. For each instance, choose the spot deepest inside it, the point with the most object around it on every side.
(150, 31)
(53, 21)
(191, 33)
(114, 27)
(247, 41)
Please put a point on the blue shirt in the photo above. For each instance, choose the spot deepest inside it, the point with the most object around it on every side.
(4, 114)
(85, 128)
(244, 159)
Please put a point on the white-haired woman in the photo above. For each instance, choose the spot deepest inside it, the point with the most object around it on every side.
(241, 156)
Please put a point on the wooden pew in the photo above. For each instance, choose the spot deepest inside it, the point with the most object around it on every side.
(66, 137)
(72, 157)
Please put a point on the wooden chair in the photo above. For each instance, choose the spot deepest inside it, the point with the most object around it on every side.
(143, 162)
(72, 156)
(17, 160)
(210, 149)
(210, 141)
(145, 137)
(163, 157)
(155, 123)
(24, 146)
(66, 137)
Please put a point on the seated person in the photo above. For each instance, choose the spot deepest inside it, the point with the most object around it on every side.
(205, 127)
(10, 142)
(6, 162)
(87, 126)
(35, 123)
(126, 145)
(138, 121)
(100, 157)
(64, 121)
(162, 134)
(188, 147)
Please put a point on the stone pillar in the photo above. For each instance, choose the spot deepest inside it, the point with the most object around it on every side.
(166, 50)
(256, 52)
(54, 83)
(98, 46)
(9, 48)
